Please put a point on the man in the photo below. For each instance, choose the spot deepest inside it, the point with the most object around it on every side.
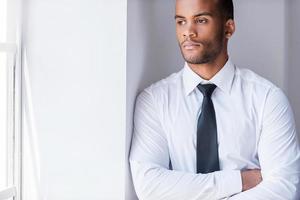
(213, 130)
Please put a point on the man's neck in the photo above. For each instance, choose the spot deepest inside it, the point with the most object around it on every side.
(208, 70)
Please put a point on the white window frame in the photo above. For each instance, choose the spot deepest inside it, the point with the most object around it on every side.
(13, 48)
(12, 119)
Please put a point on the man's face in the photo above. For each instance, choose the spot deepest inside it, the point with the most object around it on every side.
(200, 30)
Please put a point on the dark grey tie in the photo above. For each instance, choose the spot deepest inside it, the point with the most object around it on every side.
(207, 144)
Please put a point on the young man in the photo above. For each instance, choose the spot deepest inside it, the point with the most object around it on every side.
(213, 130)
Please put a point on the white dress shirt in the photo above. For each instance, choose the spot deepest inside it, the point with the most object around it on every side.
(256, 129)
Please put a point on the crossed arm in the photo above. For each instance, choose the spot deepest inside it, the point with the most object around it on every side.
(278, 153)
(280, 167)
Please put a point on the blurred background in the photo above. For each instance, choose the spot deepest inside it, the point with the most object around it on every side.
(73, 70)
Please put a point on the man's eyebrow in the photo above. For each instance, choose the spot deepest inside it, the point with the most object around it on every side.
(203, 13)
(197, 15)
(178, 16)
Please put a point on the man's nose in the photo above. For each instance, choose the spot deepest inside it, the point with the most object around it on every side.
(190, 31)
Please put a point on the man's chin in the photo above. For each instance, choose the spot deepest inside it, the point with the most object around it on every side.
(195, 60)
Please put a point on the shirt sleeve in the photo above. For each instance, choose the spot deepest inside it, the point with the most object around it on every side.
(149, 162)
(278, 153)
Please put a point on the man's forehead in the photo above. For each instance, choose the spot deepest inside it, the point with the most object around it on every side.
(188, 6)
(197, 1)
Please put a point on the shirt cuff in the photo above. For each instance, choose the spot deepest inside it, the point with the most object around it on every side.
(229, 182)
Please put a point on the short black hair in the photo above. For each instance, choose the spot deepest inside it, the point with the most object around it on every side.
(226, 8)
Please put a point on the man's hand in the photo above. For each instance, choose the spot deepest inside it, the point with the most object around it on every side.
(250, 178)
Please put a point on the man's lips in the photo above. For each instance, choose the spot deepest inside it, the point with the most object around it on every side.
(189, 45)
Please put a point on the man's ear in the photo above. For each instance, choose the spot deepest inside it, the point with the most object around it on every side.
(229, 28)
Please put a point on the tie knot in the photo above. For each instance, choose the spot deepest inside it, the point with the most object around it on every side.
(206, 89)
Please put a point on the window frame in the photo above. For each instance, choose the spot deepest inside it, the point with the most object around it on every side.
(13, 123)
(13, 48)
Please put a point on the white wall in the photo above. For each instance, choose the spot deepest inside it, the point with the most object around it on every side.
(74, 99)
(152, 54)
(260, 43)
(293, 70)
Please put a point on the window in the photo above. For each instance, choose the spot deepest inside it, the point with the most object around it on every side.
(3, 121)
(9, 102)
(6, 124)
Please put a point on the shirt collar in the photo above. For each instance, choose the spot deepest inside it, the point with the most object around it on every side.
(223, 79)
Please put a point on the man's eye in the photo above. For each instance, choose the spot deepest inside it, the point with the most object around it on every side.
(180, 22)
(201, 21)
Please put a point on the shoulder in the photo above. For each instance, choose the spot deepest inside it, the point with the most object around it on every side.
(257, 86)
(163, 87)
(262, 89)
(152, 100)
(248, 77)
